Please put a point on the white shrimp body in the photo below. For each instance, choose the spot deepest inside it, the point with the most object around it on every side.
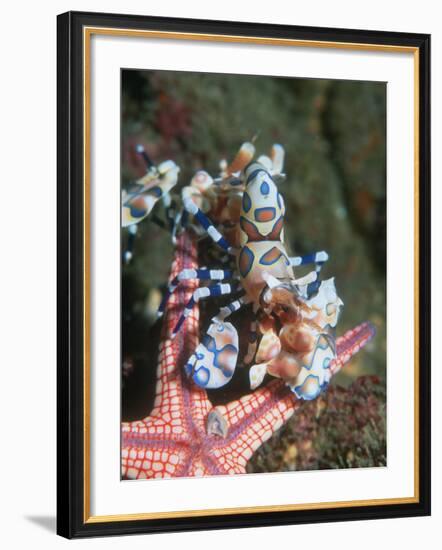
(261, 225)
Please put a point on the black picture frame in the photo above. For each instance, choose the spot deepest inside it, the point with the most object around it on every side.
(71, 519)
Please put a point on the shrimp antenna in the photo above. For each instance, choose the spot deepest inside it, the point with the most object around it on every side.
(142, 152)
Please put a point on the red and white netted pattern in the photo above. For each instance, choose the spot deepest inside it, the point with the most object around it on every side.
(173, 440)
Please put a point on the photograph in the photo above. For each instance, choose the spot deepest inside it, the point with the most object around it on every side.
(253, 274)
(218, 309)
(243, 274)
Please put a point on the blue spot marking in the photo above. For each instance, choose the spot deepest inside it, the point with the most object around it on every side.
(322, 342)
(208, 343)
(245, 262)
(201, 377)
(155, 191)
(246, 202)
(225, 370)
(273, 256)
(137, 212)
(265, 189)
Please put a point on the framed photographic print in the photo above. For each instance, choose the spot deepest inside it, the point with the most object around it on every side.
(243, 274)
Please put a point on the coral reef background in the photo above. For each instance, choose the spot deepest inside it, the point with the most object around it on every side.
(334, 135)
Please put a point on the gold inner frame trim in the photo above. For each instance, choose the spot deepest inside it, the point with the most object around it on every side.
(87, 34)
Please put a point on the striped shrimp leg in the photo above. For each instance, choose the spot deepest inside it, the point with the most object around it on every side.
(207, 224)
(227, 310)
(143, 154)
(317, 258)
(219, 289)
(190, 274)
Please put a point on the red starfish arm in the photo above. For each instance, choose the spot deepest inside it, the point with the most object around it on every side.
(172, 394)
(153, 458)
(158, 445)
(350, 343)
(250, 421)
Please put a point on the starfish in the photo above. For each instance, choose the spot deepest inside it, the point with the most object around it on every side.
(185, 435)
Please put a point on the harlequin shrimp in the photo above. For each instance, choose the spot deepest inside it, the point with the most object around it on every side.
(291, 335)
